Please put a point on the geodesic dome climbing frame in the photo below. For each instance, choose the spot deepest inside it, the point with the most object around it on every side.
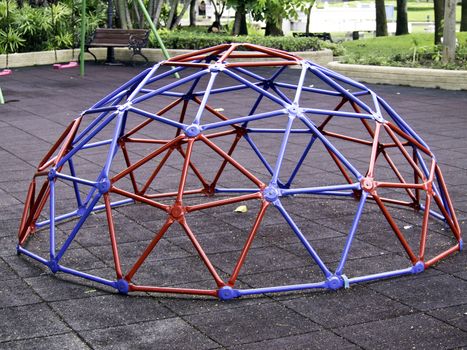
(299, 136)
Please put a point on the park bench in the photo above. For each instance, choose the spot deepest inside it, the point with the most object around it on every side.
(322, 36)
(134, 39)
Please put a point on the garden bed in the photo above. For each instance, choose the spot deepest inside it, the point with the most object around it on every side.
(416, 77)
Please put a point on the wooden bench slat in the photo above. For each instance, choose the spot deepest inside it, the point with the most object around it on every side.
(134, 39)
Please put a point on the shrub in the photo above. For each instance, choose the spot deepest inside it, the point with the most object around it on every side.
(29, 28)
(192, 40)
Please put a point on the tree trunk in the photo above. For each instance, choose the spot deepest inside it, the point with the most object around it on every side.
(381, 22)
(272, 28)
(157, 12)
(193, 13)
(172, 14)
(449, 31)
(308, 16)
(240, 27)
(151, 7)
(138, 16)
(402, 25)
(439, 15)
(179, 17)
(218, 12)
(123, 15)
(464, 16)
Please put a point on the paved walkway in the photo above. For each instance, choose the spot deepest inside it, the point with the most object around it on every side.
(42, 311)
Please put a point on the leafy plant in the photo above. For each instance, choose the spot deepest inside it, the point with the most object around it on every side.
(10, 40)
(195, 40)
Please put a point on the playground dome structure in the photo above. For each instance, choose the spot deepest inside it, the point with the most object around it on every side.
(332, 183)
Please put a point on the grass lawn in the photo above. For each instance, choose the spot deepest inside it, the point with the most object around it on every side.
(416, 11)
(392, 45)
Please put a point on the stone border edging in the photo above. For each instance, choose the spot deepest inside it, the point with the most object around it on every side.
(416, 77)
(27, 59)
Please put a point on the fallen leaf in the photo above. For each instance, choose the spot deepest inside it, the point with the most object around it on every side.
(241, 209)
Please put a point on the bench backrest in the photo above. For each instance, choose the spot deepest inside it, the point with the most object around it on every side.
(117, 36)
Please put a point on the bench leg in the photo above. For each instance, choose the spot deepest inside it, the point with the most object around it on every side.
(137, 51)
(87, 50)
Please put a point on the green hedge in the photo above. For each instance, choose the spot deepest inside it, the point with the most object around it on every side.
(193, 41)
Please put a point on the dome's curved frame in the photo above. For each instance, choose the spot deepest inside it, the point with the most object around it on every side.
(229, 60)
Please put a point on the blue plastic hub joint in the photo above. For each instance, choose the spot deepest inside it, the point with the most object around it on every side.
(335, 282)
(53, 266)
(193, 130)
(461, 244)
(122, 286)
(418, 267)
(52, 174)
(293, 110)
(104, 185)
(271, 193)
(81, 210)
(227, 293)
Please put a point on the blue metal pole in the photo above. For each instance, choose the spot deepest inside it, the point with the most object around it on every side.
(124, 87)
(256, 88)
(382, 275)
(302, 239)
(157, 117)
(337, 113)
(300, 161)
(290, 288)
(78, 225)
(75, 184)
(300, 84)
(75, 179)
(343, 91)
(331, 147)
(351, 234)
(258, 153)
(143, 82)
(244, 119)
(280, 156)
(170, 86)
(317, 190)
(52, 219)
(205, 98)
(84, 141)
(308, 89)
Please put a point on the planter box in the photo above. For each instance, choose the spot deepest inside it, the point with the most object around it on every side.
(417, 77)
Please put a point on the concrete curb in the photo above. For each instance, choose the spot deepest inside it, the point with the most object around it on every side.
(154, 55)
(416, 77)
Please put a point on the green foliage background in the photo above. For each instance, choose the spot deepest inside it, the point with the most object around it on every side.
(50, 27)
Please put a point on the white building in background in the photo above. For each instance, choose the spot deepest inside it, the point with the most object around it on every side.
(362, 17)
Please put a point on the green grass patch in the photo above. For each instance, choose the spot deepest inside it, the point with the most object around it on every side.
(390, 45)
(406, 50)
(416, 11)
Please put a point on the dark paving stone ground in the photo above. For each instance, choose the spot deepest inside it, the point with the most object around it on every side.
(42, 311)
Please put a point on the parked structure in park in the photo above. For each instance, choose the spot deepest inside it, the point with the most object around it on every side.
(170, 147)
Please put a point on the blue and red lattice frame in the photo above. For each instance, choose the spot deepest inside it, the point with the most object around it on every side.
(385, 132)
